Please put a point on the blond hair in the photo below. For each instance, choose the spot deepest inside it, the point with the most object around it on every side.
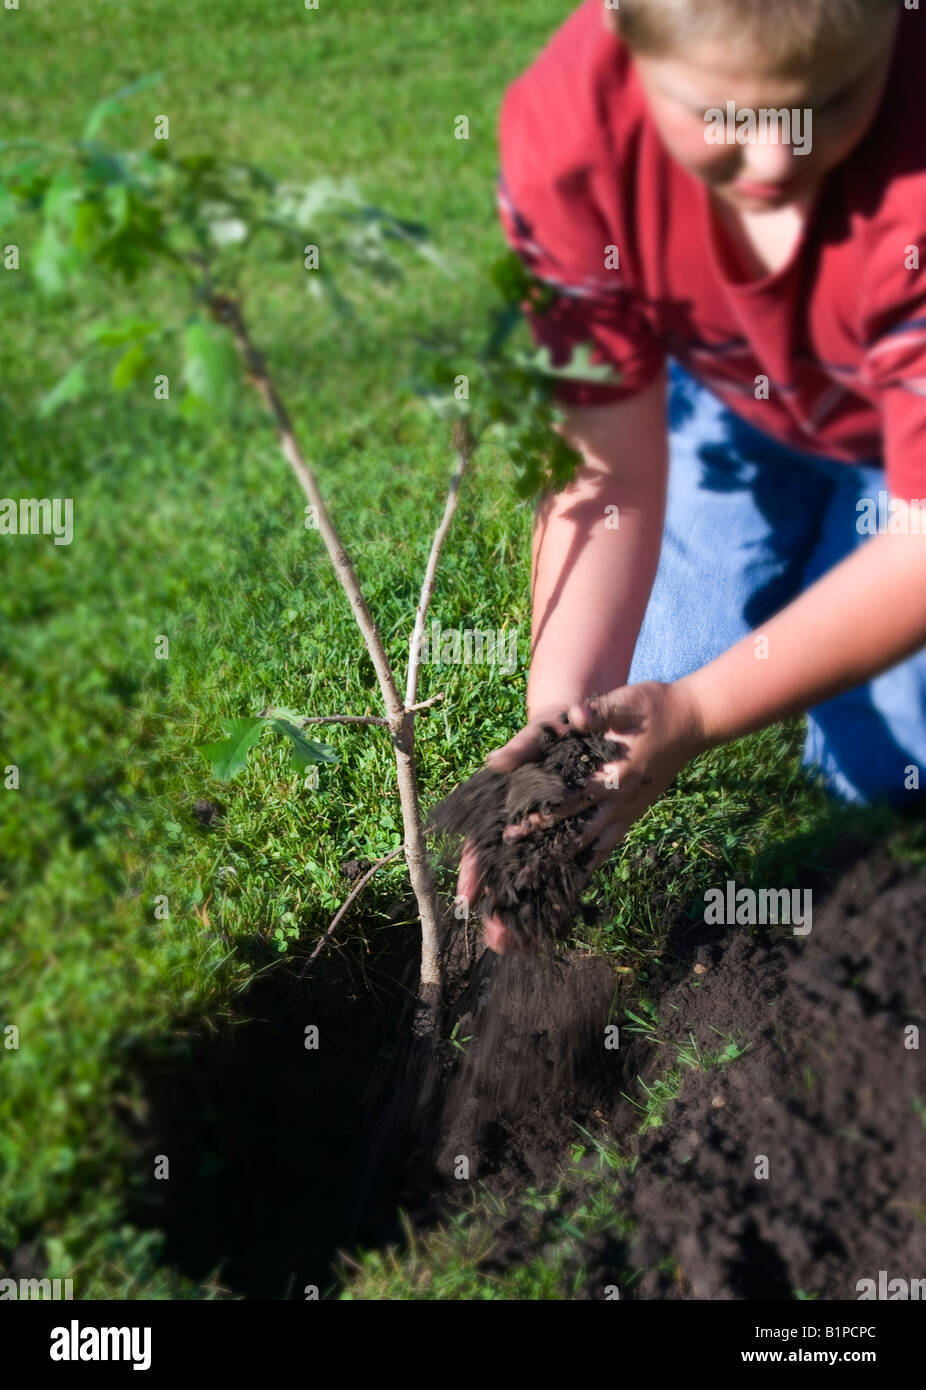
(782, 27)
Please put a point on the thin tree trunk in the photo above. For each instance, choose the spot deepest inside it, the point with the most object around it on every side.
(400, 717)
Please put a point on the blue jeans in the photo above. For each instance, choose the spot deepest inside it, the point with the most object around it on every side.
(750, 523)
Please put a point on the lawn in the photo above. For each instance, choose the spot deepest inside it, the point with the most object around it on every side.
(196, 533)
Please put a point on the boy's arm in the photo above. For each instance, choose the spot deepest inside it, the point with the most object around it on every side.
(590, 579)
(859, 619)
(591, 584)
(593, 568)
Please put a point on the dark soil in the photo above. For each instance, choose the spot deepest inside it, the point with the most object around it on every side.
(531, 884)
(827, 1091)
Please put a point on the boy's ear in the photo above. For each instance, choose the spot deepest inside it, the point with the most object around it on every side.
(611, 18)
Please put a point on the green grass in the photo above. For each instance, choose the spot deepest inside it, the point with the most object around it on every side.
(198, 535)
(464, 1257)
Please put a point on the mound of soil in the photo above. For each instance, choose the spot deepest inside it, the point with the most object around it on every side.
(799, 1165)
(830, 1093)
(531, 884)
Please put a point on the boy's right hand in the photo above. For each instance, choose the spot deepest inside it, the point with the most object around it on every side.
(497, 936)
(524, 747)
(469, 888)
(661, 729)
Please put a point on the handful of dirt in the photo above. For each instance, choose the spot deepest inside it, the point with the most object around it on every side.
(532, 884)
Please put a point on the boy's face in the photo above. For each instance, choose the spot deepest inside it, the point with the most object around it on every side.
(831, 98)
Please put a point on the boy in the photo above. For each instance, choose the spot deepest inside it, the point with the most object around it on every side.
(730, 197)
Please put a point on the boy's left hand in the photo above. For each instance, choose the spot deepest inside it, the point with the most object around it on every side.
(660, 726)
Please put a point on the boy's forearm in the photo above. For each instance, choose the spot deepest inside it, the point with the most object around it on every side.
(590, 585)
(596, 548)
(859, 619)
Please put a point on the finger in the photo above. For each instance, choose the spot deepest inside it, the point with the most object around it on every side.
(594, 827)
(498, 938)
(609, 712)
(594, 792)
(525, 747)
(610, 836)
(469, 879)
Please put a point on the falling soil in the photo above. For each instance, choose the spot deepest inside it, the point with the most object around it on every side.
(531, 884)
(532, 1030)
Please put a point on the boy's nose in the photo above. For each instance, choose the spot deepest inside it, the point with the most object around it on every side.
(769, 162)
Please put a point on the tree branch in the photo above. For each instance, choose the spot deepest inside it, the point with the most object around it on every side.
(304, 720)
(426, 704)
(361, 883)
(343, 719)
(463, 443)
(228, 311)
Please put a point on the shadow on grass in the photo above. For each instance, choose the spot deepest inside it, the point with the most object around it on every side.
(832, 841)
(268, 1140)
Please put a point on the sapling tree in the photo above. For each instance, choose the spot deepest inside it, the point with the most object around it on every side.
(84, 210)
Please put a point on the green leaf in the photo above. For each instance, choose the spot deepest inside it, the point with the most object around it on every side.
(119, 205)
(54, 260)
(61, 200)
(305, 751)
(88, 221)
(108, 333)
(26, 180)
(130, 366)
(210, 368)
(580, 366)
(281, 712)
(104, 166)
(109, 105)
(71, 386)
(525, 488)
(229, 756)
(510, 277)
(131, 249)
(564, 460)
(301, 205)
(570, 1228)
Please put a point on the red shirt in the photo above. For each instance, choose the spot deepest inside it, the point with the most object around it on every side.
(840, 330)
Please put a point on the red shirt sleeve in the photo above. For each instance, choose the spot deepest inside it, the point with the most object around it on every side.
(894, 332)
(551, 221)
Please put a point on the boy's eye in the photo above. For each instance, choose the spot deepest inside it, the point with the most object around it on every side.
(834, 103)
